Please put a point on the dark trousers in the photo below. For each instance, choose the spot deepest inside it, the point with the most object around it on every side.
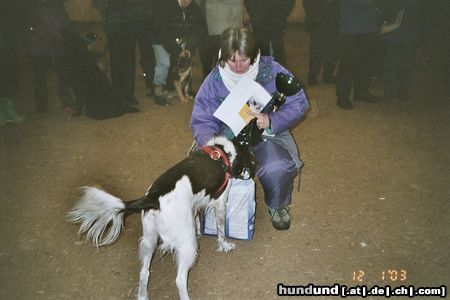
(122, 50)
(9, 74)
(397, 67)
(271, 37)
(40, 66)
(323, 51)
(147, 58)
(209, 51)
(355, 64)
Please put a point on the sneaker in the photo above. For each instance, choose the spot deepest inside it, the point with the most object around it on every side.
(170, 94)
(161, 101)
(345, 104)
(281, 218)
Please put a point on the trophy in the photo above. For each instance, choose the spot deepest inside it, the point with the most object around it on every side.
(287, 85)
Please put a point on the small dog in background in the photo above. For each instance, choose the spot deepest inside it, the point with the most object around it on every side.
(182, 73)
(92, 40)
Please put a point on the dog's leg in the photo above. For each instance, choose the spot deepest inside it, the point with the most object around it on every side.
(147, 246)
(185, 255)
(179, 91)
(198, 225)
(187, 86)
(220, 209)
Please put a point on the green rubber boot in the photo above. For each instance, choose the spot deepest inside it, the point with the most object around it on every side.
(11, 115)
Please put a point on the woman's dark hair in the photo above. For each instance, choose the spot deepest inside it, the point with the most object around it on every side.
(239, 39)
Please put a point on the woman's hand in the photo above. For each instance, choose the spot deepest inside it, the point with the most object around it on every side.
(262, 120)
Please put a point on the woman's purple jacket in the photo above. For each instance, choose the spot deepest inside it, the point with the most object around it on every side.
(213, 91)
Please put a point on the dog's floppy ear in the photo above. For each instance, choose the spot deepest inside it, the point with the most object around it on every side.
(245, 161)
(227, 146)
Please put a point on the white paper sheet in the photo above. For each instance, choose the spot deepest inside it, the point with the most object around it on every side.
(246, 95)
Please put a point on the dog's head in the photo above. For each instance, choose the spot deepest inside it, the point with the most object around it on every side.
(183, 64)
(241, 156)
(245, 164)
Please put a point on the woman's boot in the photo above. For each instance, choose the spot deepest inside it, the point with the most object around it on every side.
(10, 113)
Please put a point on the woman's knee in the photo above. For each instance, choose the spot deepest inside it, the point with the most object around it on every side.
(278, 170)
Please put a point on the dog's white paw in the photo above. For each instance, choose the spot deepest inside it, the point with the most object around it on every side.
(225, 246)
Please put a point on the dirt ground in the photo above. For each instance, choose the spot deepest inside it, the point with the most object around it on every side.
(374, 197)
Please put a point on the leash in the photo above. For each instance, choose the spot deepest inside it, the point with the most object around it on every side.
(216, 153)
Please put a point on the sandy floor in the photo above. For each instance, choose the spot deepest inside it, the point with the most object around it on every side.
(374, 197)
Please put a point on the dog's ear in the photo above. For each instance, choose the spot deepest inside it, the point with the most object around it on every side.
(245, 160)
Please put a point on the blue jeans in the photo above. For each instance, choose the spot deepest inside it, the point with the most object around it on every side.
(162, 65)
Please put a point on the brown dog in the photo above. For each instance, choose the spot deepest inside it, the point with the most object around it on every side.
(182, 76)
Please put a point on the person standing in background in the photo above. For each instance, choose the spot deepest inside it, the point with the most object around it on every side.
(400, 46)
(359, 25)
(124, 23)
(10, 35)
(47, 20)
(219, 15)
(181, 27)
(322, 21)
(144, 42)
(269, 20)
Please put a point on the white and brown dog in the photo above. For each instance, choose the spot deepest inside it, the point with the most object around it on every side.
(169, 208)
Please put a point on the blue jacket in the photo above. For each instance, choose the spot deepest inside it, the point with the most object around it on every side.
(213, 91)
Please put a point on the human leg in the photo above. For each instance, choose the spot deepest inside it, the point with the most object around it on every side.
(390, 77)
(121, 41)
(63, 86)
(277, 42)
(39, 66)
(276, 172)
(162, 65)
(330, 43)
(147, 58)
(315, 57)
(207, 53)
(404, 69)
(344, 77)
(363, 58)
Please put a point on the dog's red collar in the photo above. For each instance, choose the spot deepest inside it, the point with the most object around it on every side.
(217, 154)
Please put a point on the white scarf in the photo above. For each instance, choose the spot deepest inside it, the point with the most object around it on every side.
(230, 79)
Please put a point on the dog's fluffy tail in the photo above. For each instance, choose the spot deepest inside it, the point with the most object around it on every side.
(100, 214)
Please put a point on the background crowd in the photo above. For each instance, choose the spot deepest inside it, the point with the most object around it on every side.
(351, 43)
